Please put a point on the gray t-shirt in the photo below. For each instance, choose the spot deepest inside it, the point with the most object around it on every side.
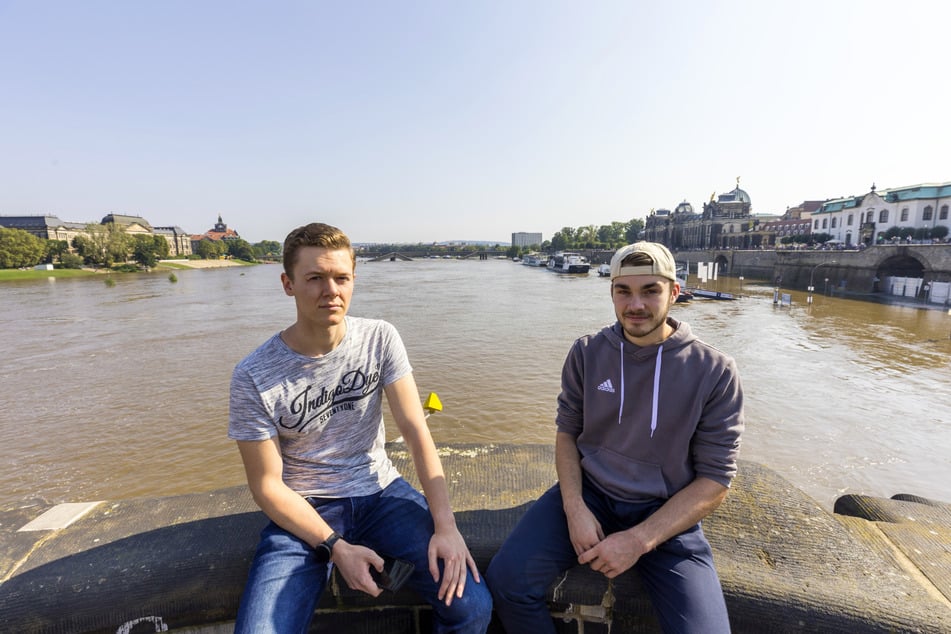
(327, 412)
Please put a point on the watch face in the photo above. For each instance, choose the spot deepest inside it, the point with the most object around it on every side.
(323, 553)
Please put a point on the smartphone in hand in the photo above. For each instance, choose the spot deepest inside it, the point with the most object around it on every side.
(394, 575)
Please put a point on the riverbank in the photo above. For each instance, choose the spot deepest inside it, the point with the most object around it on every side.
(171, 265)
(201, 264)
(14, 275)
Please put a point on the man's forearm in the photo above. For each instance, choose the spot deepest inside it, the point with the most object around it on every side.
(431, 476)
(687, 507)
(293, 513)
(568, 467)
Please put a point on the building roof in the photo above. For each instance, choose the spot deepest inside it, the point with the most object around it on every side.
(30, 222)
(684, 208)
(897, 194)
(35, 223)
(228, 234)
(735, 196)
(917, 192)
(174, 230)
(122, 219)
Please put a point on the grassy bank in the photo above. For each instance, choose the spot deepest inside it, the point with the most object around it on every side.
(164, 265)
(17, 274)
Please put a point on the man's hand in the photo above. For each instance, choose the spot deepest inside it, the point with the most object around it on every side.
(614, 554)
(447, 544)
(354, 561)
(583, 527)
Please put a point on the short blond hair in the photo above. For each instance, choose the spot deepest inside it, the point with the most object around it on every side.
(315, 234)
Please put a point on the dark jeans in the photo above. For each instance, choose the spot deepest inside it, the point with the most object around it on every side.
(679, 574)
(286, 581)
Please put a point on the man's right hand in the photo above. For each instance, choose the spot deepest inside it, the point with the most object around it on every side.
(354, 562)
(583, 527)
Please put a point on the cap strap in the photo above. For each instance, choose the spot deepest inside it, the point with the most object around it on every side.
(636, 270)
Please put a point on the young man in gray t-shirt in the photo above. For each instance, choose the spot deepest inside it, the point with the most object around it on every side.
(306, 412)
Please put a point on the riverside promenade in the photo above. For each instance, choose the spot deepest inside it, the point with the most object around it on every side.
(179, 563)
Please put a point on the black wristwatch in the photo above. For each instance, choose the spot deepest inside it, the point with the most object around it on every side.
(325, 549)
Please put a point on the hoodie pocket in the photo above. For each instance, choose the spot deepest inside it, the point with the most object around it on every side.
(624, 478)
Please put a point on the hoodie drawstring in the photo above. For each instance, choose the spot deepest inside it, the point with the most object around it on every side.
(656, 394)
(621, 409)
(657, 365)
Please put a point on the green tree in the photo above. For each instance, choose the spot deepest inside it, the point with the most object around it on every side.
(267, 250)
(613, 235)
(633, 231)
(118, 243)
(71, 261)
(939, 232)
(211, 249)
(20, 248)
(239, 249)
(55, 250)
(147, 250)
(587, 237)
(104, 245)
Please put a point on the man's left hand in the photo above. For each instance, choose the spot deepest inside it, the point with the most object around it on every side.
(614, 554)
(449, 546)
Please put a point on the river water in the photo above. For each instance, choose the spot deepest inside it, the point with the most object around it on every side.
(122, 391)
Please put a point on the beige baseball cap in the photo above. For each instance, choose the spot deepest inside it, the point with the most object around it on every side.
(663, 262)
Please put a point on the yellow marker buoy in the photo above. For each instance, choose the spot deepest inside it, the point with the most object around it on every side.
(432, 403)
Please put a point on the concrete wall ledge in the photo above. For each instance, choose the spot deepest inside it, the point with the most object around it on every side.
(787, 565)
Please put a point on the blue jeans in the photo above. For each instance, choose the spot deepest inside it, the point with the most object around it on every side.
(285, 581)
(678, 575)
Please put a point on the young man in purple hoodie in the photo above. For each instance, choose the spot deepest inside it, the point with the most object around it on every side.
(648, 431)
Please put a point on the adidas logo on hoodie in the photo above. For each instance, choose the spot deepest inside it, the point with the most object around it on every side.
(607, 386)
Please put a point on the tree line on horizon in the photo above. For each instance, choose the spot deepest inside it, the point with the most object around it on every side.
(111, 246)
(606, 237)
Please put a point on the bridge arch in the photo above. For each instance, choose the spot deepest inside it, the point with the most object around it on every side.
(723, 264)
(902, 265)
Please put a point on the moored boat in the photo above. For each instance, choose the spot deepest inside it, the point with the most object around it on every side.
(568, 262)
(534, 259)
(686, 294)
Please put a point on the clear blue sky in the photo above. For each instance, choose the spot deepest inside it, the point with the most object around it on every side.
(430, 121)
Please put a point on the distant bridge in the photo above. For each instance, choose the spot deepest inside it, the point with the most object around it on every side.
(406, 256)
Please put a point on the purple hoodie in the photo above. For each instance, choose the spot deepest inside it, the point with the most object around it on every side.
(649, 420)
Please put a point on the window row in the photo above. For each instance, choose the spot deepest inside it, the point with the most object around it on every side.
(926, 215)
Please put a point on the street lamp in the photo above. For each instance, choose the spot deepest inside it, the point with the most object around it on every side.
(812, 276)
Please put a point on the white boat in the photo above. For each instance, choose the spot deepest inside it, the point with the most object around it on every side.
(568, 262)
(604, 270)
(681, 274)
(686, 294)
(534, 259)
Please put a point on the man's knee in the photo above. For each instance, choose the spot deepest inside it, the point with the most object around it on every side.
(473, 608)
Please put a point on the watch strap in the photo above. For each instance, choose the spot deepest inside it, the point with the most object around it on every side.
(330, 541)
(326, 547)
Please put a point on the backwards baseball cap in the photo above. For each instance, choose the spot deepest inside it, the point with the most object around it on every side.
(662, 261)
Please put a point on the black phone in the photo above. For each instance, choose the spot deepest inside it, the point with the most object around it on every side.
(394, 575)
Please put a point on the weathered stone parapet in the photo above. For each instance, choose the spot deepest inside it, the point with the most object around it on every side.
(786, 564)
